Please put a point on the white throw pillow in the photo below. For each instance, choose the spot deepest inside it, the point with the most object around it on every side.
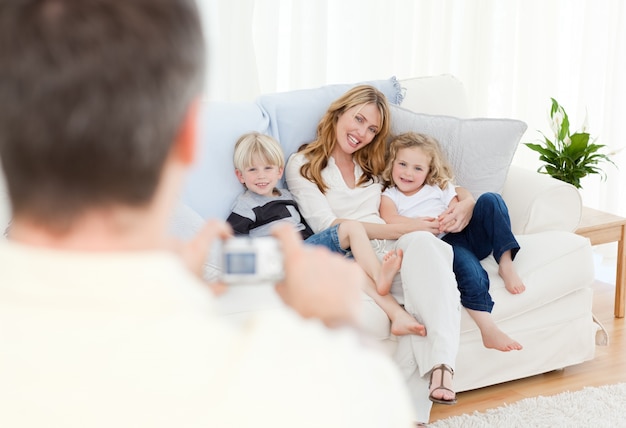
(480, 150)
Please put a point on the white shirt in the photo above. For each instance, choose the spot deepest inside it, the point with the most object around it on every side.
(132, 340)
(429, 201)
(361, 203)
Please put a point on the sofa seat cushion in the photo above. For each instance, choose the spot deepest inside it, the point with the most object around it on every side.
(545, 263)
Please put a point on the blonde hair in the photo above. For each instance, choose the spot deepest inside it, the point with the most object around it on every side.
(256, 145)
(439, 171)
(370, 158)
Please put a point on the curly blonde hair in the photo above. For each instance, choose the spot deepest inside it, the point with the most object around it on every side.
(440, 172)
(370, 158)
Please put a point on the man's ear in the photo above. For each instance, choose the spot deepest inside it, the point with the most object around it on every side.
(185, 145)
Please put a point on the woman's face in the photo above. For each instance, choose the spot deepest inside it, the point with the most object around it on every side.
(357, 127)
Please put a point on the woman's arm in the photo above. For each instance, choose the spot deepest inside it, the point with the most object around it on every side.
(458, 215)
(311, 201)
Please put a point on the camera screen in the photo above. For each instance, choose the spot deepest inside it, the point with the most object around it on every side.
(241, 263)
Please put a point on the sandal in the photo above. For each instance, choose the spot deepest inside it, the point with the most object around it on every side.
(442, 367)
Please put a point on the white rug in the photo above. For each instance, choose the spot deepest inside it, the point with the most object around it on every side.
(591, 407)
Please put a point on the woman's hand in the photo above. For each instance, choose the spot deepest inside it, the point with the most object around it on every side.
(457, 216)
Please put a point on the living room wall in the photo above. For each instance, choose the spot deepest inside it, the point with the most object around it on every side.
(512, 57)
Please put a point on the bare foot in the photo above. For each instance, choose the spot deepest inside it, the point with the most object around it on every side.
(403, 323)
(390, 267)
(494, 338)
(512, 281)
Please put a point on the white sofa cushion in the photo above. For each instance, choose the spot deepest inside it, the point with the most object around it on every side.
(442, 94)
(480, 150)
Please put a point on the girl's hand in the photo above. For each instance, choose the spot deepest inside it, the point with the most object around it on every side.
(427, 224)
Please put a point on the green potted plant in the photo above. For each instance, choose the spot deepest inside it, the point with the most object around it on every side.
(569, 157)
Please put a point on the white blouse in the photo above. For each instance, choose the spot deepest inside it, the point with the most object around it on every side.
(321, 210)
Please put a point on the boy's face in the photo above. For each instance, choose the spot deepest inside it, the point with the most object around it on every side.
(260, 177)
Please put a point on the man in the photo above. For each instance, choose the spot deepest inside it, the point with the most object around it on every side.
(101, 324)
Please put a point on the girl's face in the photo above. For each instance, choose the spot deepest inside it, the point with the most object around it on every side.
(410, 169)
(357, 127)
(260, 177)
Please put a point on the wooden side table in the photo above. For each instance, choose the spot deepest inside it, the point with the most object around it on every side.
(601, 228)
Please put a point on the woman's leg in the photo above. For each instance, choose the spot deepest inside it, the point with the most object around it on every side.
(352, 235)
(429, 292)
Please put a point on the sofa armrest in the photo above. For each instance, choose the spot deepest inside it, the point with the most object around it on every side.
(538, 202)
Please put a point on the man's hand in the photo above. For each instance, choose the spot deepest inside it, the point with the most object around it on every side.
(318, 283)
(196, 251)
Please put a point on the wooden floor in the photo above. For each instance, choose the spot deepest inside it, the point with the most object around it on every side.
(609, 366)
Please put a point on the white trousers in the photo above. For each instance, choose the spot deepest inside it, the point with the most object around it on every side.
(427, 288)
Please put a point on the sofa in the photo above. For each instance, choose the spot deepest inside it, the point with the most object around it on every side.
(552, 319)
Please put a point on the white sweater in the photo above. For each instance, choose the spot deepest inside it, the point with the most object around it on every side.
(361, 203)
(132, 340)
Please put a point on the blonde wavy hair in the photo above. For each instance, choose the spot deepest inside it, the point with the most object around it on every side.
(440, 172)
(255, 144)
(370, 158)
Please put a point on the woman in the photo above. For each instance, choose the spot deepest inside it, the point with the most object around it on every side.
(336, 178)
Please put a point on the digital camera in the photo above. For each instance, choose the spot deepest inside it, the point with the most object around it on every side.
(248, 260)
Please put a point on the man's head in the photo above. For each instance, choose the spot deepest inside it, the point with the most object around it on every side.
(92, 97)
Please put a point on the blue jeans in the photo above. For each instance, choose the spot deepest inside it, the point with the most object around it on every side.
(489, 231)
(328, 238)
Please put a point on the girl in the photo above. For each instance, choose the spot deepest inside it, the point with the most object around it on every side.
(418, 183)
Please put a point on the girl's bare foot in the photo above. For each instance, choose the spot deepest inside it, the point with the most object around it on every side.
(512, 281)
(390, 266)
(494, 338)
(403, 323)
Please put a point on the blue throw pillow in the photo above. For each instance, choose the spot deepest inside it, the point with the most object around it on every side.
(211, 185)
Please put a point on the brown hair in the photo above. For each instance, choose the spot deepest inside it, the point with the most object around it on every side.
(370, 158)
(440, 172)
(92, 95)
